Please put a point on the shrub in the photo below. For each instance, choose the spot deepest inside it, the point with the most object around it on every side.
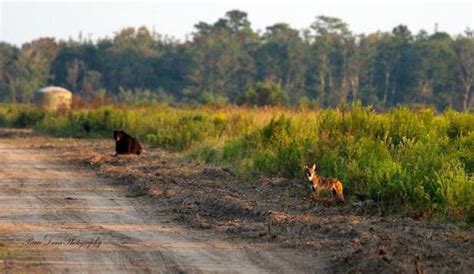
(406, 160)
(265, 94)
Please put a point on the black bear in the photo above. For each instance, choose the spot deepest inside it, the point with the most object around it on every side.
(126, 144)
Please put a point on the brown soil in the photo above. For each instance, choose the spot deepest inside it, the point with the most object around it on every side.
(267, 224)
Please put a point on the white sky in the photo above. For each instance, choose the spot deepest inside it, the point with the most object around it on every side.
(22, 21)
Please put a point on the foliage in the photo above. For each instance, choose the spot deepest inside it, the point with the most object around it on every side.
(229, 62)
(264, 94)
(412, 161)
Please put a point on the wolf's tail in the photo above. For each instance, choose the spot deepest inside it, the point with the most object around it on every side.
(339, 191)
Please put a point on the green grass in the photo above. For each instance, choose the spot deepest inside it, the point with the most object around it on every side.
(408, 161)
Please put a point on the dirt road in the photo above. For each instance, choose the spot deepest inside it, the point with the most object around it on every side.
(56, 218)
(67, 205)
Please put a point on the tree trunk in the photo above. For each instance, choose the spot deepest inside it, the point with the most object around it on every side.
(330, 89)
(355, 87)
(385, 91)
(344, 89)
(466, 97)
(322, 80)
(322, 86)
(392, 97)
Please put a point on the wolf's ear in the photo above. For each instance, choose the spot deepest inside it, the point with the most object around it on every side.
(305, 166)
(314, 166)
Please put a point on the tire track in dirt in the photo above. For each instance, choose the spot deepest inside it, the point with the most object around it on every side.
(47, 210)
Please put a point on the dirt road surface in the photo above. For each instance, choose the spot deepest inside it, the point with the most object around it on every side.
(68, 205)
(56, 218)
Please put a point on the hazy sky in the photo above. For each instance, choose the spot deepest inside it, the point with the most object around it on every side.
(22, 21)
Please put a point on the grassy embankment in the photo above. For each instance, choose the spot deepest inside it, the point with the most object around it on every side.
(407, 161)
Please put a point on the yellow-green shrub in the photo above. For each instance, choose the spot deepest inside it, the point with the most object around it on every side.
(405, 160)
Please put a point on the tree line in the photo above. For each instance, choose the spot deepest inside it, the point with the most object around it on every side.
(229, 62)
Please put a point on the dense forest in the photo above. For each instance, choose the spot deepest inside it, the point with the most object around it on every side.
(325, 65)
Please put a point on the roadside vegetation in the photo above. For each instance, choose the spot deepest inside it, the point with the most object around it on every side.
(409, 161)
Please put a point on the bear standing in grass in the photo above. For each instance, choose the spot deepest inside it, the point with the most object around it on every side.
(126, 144)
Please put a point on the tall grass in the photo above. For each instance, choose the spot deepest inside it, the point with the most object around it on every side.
(406, 160)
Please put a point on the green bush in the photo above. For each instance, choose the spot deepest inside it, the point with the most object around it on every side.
(265, 94)
(405, 160)
(411, 160)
